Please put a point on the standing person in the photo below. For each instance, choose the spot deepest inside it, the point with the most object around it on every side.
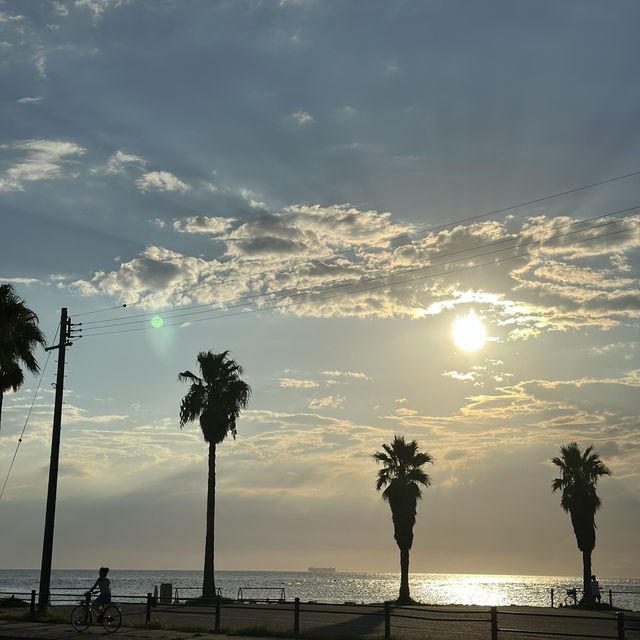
(595, 589)
(103, 585)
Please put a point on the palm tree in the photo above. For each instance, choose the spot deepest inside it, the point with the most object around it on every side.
(580, 474)
(19, 336)
(215, 399)
(402, 476)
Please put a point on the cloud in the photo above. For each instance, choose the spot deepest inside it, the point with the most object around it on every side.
(302, 117)
(41, 160)
(332, 402)
(60, 9)
(312, 231)
(160, 181)
(40, 61)
(5, 17)
(203, 224)
(340, 261)
(292, 383)
(120, 161)
(98, 7)
(154, 271)
(27, 100)
(469, 376)
(346, 374)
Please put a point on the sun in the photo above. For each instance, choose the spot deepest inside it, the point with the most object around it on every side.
(468, 332)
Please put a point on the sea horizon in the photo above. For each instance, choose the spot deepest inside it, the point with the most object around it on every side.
(337, 570)
(339, 587)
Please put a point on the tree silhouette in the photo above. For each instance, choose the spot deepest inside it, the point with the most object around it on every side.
(402, 476)
(19, 336)
(580, 475)
(216, 399)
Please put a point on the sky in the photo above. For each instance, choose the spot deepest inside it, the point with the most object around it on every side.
(327, 190)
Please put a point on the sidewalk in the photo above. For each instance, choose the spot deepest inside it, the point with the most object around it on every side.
(324, 621)
(12, 630)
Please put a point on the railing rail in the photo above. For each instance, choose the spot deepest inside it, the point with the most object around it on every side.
(280, 590)
(563, 591)
(177, 597)
(617, 625)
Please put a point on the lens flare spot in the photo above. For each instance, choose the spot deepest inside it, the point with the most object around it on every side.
(157, 322)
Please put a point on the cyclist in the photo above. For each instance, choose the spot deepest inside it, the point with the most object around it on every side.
(103, 585)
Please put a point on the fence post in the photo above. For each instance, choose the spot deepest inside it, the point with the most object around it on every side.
(147, 616)
(296, 616)
(494, 623)
(610, 598)
(552, 597)
(217, 621)
(387, 621)
(33, 600)
(620, 617)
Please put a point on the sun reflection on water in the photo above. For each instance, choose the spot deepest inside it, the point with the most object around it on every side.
(483, 590)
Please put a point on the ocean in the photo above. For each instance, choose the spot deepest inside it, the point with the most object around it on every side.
(430, 588)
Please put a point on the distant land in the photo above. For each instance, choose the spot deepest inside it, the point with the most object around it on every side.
(322, 569)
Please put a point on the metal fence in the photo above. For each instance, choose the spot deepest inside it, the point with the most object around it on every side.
(486, 623)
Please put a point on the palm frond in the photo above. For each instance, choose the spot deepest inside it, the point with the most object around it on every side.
(216, 397)
(579, 475)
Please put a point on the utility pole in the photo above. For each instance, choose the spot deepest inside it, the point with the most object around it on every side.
(47, 545)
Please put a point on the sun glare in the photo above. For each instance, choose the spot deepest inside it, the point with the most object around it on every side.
(468, 332)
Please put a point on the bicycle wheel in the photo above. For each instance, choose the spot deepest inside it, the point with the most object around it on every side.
(80, 618)
(112, 618)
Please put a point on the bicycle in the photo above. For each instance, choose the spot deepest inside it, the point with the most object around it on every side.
(84, 615)
(572, 597)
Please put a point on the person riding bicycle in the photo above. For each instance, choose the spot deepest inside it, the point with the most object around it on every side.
(103, 585)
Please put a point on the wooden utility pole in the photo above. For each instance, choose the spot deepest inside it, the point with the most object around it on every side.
(47, 545)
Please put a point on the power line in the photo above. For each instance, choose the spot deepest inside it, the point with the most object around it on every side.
(390, 240)
(180, 313)
(35, 395)
(378, 286)
(183, 312)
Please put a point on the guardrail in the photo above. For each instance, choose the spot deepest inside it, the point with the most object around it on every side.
(494, 623)
(608, 627)
(610, 593)
(177, 599)
(241, 598)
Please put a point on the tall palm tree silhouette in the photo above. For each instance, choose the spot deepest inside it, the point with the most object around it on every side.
(580, 475)
(19, 336)
(402, 476)
(216, 399)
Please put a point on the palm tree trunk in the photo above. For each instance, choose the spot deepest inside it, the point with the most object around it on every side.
(586, 575)
(209, 582)
(1, 397)
(404, 575)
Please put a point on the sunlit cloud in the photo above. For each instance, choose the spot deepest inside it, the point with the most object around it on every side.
(160, 181)
(302, 117)
(120, 161)
(292, 383)
(27, 100)
(41, 160)
(202, 224)
(296, 255)
(358, 375)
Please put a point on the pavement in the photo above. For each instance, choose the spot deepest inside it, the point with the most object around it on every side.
(12, 630)
(364, 622)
